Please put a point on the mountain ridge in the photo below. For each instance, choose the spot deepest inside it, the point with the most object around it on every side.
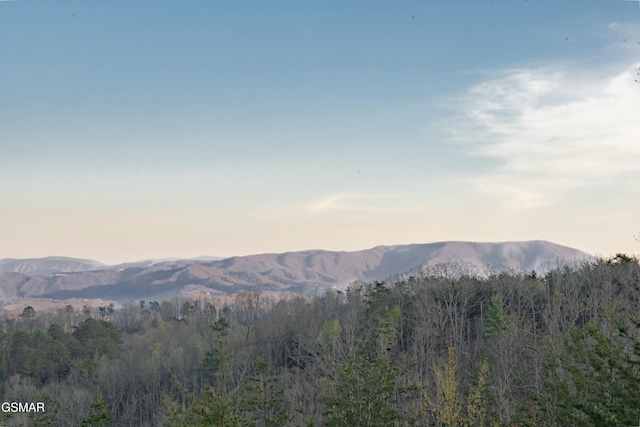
(297, 271)
(49, 265)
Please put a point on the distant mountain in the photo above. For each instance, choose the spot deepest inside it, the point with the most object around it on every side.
(150, 262)
(49, 265)
(291, 271)
(57, 264)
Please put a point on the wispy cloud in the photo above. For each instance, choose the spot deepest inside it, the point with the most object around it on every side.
(553, 130)
(349, 202)
(337, 202)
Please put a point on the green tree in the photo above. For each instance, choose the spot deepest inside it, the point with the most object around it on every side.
(99, 337)
(50, 359)
(215, 361)
(211, 410)
(216, 406)
(366, 391)
(365, 394)
(264, 398)
(99, 415)
(594, 380)
(496, 321)
(73, 345)
(21, 352)
(48, 418)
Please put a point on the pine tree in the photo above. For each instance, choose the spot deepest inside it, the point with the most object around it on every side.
(367, 391)
(99, 416)
(365, 394)
(595, 380)
(217, 406)
(264, 398)
(496, 321)
(49, 417)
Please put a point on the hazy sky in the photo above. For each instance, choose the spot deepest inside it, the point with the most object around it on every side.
(147, 129)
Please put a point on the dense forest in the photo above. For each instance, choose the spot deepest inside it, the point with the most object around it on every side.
(447, 348)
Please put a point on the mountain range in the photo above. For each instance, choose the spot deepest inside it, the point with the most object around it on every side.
(60, 279)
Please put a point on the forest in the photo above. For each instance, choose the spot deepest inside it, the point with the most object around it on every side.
(445, 348)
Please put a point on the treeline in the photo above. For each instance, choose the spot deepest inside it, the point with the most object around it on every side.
(447, 348)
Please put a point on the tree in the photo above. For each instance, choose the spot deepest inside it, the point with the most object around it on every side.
(496, 322)
(367, 389)
(247, 305)
(28, 312)
(49, 417)
(50, 359)
(448, 408)
(365, 394)
(264, 398)
(594, 381)
(98, 336)
(99, 415)
(215, 361)
(216, 406)
(210, 409)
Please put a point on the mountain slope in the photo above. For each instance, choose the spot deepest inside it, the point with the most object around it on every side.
(291, 271)
(49, 265)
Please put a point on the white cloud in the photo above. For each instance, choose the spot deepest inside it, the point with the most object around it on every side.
(371, 203)
(336, 202)
(553, 130)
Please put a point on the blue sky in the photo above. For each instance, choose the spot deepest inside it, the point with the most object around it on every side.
(133, 130)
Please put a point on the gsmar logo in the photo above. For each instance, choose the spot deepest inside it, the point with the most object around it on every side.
(21, 407)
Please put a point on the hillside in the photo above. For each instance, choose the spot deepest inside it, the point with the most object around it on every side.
(292, 271)
(508, 345)
(49, 265)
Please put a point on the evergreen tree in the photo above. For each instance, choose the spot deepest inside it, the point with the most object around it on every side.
(367, 391)
(595, 380)
(99, 415)
(99, 337)
(210, 410)
(48, 418)
(217, 406)
(496, 321)
(365, 394)
(264, 398)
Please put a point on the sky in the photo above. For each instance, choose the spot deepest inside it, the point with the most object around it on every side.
(153, 129)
